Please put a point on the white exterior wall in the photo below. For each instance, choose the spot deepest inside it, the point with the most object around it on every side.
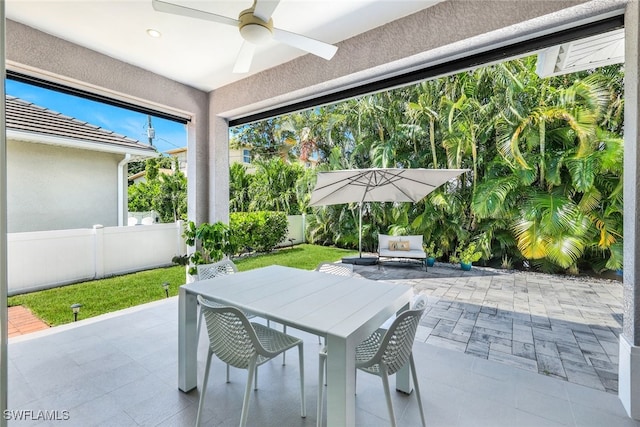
(237, 156)
(629, 353)
(58, 188)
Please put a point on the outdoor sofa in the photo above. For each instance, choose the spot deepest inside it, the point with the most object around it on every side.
(402, 247)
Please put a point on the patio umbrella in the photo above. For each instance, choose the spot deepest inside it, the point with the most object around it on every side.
(377, 185)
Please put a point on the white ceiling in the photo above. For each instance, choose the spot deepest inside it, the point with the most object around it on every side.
(200, 53)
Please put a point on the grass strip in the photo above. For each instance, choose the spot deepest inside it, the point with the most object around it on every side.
(119, 292)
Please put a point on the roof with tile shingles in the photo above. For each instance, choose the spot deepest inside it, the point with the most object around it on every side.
(25, 116)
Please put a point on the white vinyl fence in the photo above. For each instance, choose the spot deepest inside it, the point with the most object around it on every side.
(296, 231)
(46, 259)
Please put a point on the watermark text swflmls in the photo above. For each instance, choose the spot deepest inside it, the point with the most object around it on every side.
(35, 415)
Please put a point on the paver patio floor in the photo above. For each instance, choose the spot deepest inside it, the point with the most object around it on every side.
(563, 327)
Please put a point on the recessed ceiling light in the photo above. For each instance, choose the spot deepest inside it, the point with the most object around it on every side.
(153, 33)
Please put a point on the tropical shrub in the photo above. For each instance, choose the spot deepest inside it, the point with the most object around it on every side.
(273, 187)
(239, 183)
(259, 231)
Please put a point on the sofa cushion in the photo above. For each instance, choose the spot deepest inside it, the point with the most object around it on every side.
(403, 245)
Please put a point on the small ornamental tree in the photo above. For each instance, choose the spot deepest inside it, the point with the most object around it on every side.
(212, 242)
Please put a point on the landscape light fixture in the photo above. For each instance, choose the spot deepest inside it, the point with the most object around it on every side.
(165, 285)
(76, 309)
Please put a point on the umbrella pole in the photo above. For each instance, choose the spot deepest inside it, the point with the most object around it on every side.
(360, 231)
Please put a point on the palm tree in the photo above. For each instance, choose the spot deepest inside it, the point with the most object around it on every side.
(545, 154)
(273, 186)
(551, 155)
(239, 183)
(425, 108)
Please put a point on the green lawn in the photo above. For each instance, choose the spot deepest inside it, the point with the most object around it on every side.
(300, 256)
(115, 293)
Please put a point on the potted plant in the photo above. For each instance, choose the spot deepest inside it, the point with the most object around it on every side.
(212, 242)
(466, 255)
(432, 253)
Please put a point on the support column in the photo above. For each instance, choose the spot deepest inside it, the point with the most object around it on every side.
(629, 363)
(219, 170)
(4, 285)
(198, 170)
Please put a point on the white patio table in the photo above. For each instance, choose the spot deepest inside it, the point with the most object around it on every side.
(345, 310)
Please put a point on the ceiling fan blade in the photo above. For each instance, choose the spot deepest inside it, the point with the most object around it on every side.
(264, 9)
(163, 6)
(244, 58)
(316, 47)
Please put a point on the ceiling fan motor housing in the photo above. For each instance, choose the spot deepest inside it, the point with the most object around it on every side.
(253, 29)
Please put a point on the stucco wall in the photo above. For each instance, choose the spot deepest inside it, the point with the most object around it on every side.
(436, 34)
(36, 53)
(56, 188)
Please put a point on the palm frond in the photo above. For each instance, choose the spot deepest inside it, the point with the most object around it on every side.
(583, 171)
(530, 241)
(565, 250)
(490, 196)
(590, 200)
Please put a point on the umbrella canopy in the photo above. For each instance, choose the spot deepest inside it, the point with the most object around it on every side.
(378, 185)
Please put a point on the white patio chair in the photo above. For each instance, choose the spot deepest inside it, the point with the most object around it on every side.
(147, 220)
(208, 271)
(383, 354)
(335, 268)
(222, 268)
(416, 303)
(244, 345)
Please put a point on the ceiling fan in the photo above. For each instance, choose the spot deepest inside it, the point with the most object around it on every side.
(256, 27)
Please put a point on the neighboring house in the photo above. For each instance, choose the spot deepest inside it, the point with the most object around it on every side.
(240, 155)
(63, 173)
(181, 155)
(243, 156)
(176, 153)
(142, 175)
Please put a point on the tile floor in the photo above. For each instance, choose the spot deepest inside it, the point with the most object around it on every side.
(121, 369)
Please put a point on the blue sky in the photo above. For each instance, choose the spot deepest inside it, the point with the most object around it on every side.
(169, 134)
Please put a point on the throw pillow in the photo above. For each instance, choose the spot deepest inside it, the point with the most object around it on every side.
(402, 246)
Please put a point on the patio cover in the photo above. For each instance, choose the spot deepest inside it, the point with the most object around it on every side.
(377, 185)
